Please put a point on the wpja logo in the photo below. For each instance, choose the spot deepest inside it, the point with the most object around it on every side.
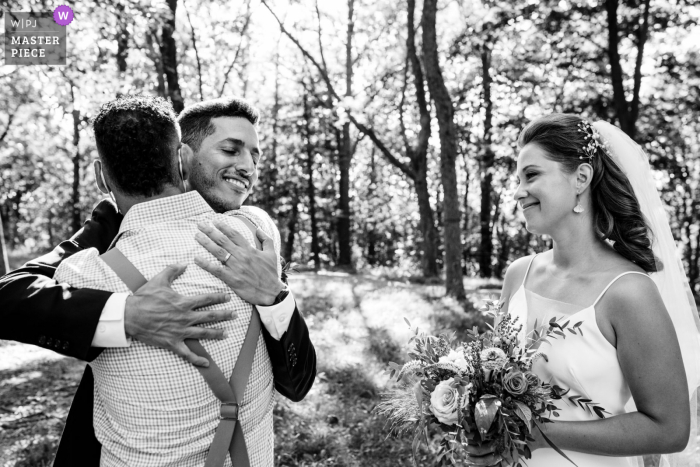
(37, 38)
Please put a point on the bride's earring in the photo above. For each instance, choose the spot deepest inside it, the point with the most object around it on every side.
(578, 209)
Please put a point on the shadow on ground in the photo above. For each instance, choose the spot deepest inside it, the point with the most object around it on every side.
(357, 325)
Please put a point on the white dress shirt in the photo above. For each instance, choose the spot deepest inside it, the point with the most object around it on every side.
(111, 333)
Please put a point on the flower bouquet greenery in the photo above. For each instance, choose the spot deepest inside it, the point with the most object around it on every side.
(476, 392)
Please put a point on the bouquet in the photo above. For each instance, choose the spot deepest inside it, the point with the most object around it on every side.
(481, 391)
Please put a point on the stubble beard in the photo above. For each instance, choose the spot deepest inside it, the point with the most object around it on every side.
(206, 187)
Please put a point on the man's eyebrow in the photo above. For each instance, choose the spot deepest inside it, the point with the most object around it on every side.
(239, 142)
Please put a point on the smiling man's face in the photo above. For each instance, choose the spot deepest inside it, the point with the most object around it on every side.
(224, 169)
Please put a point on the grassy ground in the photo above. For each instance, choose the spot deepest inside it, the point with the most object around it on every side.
(357, 326)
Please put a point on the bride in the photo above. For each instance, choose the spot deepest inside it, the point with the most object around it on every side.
(613, 267)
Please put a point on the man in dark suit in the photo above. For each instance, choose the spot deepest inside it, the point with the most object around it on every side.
(35, 309)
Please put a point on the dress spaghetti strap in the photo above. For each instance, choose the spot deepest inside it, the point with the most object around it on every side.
(613, 281)
(527, 271)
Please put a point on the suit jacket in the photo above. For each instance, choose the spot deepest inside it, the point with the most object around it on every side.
(36, 310)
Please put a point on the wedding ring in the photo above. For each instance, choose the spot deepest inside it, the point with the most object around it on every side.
(226, 259)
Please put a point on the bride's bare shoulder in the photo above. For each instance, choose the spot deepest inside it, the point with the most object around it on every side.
(515, 275)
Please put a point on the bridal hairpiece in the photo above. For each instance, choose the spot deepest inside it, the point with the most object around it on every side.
(593, 141)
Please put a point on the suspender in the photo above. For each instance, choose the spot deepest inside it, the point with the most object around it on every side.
(229, 434)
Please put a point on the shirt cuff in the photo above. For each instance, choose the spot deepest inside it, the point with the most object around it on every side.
(110, 329)
(276, 318)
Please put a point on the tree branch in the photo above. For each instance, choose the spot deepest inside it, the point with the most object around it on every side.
(402, 124)
(641, 40)
(196, 52)
(615, 67)
(380, 145)
(320, 42)
(324, 75)
(9, 123)
(244, 30)
(412, 53)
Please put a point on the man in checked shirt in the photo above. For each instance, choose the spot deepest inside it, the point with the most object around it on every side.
(151, 406)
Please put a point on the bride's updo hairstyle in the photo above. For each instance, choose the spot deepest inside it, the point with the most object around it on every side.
(616, 212)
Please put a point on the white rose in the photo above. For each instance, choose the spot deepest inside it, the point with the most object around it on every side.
(445, 402)
(456, 358)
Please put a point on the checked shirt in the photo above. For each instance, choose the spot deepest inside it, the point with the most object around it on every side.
(152, 408)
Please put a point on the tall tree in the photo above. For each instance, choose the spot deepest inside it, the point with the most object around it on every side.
(486, 161)
(627, 111)
(448, 152)
(418, 153)
(168, 51)
(122, 37)
(345, 156)
(310, 186)
(76, 220)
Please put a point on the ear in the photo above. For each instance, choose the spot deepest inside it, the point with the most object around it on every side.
(99, 177)
(584, 176)
(187, 156)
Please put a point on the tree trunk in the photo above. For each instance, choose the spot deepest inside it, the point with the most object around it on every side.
(122, 38)
(4, 264)
(271, 163)
(311, 189)
(448, 152)
(466, 254)
(427, 226)
(345, 157)
(627, 112)
(419, 156)
(371, 227)
(76, 220)
(291, 228)
(151, 42)
(487, 158)
(168, 51)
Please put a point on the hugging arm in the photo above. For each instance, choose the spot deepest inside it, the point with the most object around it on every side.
(253, 275)
(34, 309)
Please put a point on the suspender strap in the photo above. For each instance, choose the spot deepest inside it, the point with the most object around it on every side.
(229, 434)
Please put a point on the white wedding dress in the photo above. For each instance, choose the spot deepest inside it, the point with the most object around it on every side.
(586, 364)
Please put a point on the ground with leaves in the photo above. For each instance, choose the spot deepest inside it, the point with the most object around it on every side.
(356, 323)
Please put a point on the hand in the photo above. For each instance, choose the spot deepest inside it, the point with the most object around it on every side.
(483, 455)
(159, 316)
(250, 272)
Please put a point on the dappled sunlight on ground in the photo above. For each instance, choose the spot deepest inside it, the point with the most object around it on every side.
(36, 388)
(16, 355)
(357, 326)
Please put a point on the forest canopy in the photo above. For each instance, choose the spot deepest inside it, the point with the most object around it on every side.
(389, 129)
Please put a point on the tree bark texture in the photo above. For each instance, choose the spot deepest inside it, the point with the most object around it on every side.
(345, 158)
(291, 228)
(448, 152)
(75, 201)
(168, 51)
(122, 38)
(627, 111)
(418, 155)
(311, 189)
(487, 158)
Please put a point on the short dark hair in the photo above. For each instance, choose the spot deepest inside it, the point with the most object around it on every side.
(137, 137)
(616, 212)
(195, 120)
